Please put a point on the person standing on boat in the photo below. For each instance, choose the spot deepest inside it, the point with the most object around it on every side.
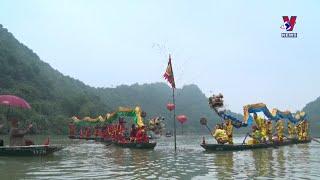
(142, 136)
(261, 125)
(229, 131)
(256, 136)
(1, 140)
(220, 134)
(305, 126)
(72, 129)
(17, 135)
(88, 132)
(269, 130)
(133, 133)
(263, 128)
(280, 129)
(290, 130)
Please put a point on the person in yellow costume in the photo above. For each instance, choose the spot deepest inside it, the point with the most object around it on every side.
(299, 131)
(256, 136)
(280, 129)
(291, 130)
(268, 125)
(229, 131)
(305, 126)
(220, 134)
(261, 126)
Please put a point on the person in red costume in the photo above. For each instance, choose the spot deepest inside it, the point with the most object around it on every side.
(72, 129)
(96, 131)
(88, 132)
(81, 133)
(133, 133)
(142, 136)
(120, 133)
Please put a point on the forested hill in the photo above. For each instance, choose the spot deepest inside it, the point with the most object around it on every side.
(54, 96)
(313, 111)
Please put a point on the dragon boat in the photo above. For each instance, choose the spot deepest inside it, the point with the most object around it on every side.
(33, 150)
(112, 125)
(262, 135)
(241, 147)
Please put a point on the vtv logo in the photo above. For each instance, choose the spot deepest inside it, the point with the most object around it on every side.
(288, 23)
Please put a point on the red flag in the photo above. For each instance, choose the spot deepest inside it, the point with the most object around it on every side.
(168, 75)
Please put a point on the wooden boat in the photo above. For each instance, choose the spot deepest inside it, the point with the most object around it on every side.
(168, 134)
(135, 145)
(33, 150)
(240, 147)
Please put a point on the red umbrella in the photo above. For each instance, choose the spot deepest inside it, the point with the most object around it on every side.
(14, 101)
(170, 106)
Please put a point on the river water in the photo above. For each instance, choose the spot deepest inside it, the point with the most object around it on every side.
(82, 159)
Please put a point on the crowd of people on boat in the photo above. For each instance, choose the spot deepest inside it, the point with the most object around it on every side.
(263, 131)
(117, 132)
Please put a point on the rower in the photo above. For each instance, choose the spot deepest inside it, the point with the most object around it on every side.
(81, 133)
(17, 135)
(305, 130)
(261, 125)
(291, 130)
(229, 131)
(96, 131)
(133, 133)
(256, 136)
(88, 132)
(269, 130)
(141, 136)
(220, 134)
(1, 140)
(280, 129)
(72, 129)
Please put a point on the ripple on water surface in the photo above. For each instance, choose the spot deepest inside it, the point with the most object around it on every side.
(91, 160)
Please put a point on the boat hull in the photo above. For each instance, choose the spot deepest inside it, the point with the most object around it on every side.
(85, 138)
(34, 150)
(241, 147)
(136, 145)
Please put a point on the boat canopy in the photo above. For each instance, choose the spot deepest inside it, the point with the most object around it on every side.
(109, 118)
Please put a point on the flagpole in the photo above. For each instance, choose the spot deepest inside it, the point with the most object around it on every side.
(174, 122)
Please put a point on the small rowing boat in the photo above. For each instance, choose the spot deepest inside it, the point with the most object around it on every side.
(241, 147)
(33, 150)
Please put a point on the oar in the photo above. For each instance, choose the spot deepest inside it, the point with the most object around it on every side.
(244, 140)
(108, 144)
(316, 140)
(203, 121)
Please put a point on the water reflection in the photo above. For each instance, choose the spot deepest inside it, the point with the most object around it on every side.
(90, 160)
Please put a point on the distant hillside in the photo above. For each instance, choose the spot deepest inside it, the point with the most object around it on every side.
(154, 97)
(54, 96)
(313, 111)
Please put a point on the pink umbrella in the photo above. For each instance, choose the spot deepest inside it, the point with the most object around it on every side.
(14, 101)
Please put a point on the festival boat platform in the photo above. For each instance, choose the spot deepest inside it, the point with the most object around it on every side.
(135, 145)
(33, 150)
(241, 147)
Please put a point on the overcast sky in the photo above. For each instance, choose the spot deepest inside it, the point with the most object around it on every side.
(233, 47)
